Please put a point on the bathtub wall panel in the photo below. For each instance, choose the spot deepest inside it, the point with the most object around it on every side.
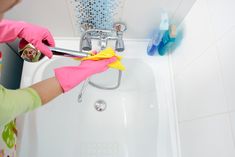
(61, 21)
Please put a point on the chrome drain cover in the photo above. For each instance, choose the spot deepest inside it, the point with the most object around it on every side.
(100, 105)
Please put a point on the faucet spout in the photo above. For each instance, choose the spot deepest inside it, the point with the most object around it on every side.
(119, 46)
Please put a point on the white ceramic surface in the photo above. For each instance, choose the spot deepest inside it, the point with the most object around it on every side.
(138, 121)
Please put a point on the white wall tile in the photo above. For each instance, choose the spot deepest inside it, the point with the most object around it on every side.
(199, 89)
(226, 49)
(222, 15)
(198, 36)
(206, 52)
(209, 137)
(182, 10)
(232, 120)
(142, 17)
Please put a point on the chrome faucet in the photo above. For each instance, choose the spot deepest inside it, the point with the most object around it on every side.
(103, 36)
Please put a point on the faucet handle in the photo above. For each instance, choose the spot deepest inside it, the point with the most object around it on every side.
(86, 26)
(119, 27)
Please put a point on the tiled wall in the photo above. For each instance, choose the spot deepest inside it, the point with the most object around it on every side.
(204, 78)
(140, 16)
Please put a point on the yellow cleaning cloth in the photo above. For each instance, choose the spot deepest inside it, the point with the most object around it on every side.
(105, 54)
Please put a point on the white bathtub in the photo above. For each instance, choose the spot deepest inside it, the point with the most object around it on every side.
(138, 120)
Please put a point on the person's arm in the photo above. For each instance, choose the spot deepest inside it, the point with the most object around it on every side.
(16, 102)
(69, 77)
(48, 89)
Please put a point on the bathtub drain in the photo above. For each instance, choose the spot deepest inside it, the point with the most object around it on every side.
(100, 105)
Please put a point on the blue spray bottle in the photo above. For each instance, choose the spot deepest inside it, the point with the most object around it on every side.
(168, 40)
(158, 34)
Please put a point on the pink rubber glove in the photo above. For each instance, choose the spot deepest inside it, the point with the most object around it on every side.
(71, 76)
(38, 36)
